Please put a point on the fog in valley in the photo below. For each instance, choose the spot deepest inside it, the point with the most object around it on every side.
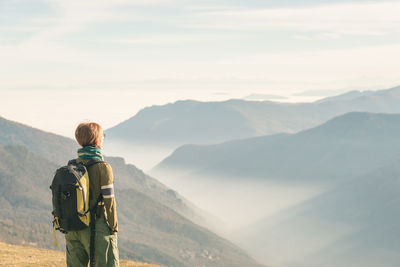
(235, 202)
(141, 155)
(238, 203)
(232, 206)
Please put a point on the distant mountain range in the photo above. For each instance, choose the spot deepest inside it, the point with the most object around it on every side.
(343, 147)
(153, 226)
(193, 122)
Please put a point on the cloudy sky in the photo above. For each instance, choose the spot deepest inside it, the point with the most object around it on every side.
(65, 61)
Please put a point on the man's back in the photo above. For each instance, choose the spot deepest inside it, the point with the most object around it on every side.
(78, 243)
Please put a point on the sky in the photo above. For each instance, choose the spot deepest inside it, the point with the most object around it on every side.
(62, 62)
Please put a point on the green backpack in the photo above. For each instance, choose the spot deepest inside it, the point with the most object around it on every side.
(71, 193)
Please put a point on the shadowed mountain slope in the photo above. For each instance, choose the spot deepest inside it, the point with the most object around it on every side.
(348, 145)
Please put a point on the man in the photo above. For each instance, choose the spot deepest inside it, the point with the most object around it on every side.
(90, 136)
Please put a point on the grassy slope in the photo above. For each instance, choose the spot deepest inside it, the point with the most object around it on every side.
(22, 256)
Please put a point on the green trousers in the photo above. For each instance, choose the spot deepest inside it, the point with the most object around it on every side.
(106, 248)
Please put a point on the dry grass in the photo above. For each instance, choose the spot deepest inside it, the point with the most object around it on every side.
(22, 256)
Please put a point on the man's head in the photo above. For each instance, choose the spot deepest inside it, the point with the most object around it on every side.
(89, 134)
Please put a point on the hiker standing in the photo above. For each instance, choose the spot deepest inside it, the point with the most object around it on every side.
(90, 136)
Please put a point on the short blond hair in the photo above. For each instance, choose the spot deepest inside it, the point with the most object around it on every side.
(87, 133)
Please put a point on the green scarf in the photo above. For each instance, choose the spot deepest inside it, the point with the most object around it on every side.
(90, 152)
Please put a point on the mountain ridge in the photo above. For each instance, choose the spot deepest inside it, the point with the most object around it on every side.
(195, 122)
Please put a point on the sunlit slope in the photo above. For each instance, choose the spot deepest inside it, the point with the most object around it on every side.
(348, 145)
(193, 122)
(24, 256)
(354, 224)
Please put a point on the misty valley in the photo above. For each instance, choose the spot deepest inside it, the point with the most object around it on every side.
(232, 183)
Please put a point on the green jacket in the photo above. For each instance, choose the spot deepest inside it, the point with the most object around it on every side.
(102, 181)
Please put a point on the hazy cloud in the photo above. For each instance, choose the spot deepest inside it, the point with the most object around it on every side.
(199, 45)
(338, 19)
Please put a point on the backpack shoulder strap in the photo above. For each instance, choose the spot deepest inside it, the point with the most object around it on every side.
(88, 164)
(93, 218)
(72, 162)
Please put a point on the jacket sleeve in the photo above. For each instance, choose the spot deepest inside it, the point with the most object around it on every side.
(107, 190)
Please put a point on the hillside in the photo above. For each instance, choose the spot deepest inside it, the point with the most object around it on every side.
(348, 145)
(24, 256)
(54, 147)
(150, 228)
(193, 122)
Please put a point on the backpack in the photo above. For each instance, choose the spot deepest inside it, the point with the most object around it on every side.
(71, 192)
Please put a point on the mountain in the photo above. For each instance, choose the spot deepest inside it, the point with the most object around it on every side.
(151, 227)
(24, 202)
(354, 224)
(184, 121)
(346, 146)
(54, 147)
(345, 97)
(193, 122)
